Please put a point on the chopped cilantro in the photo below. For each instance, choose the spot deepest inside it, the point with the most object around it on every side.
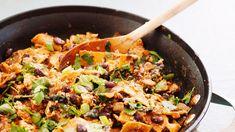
(39, 87)
(169, 76)
(155, 56)
(187, 97)
(42, 81)
(77, 64)
(88, 58)
(7, 109)
(49, 125)
(15, 128)
(174, 100)
(108, 46)
(28, 68)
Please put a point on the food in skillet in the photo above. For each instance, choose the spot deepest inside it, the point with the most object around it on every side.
(101, 91)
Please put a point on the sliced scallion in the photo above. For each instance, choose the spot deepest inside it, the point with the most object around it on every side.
(85, 107)
(50, 46)
(129, 111)
(7, 109)
(104, 120)
(161, 86)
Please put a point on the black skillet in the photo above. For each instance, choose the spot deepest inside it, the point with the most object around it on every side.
(16, 32)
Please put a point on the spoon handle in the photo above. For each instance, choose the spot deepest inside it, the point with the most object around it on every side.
(157, 21)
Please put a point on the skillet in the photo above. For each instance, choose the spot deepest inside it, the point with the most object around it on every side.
(17, 31)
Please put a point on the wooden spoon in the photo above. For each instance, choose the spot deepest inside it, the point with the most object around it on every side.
(123, 43)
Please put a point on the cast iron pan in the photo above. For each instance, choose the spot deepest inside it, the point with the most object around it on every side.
(16, 32)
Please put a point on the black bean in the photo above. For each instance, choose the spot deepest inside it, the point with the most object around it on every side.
(138, 117)
(110, 84)
(104, 65)
(106, 111)
(109, 105)
(59, 98)
(166, 96)
(148, 90)
(105, 75)
(157, 119)
(66, 89)
(81, 128)
(74, 99)
(9, 52)
(59, 41)
(25, 55)
(53, 107)
(63, 100)
(116, 124)
(38, 72)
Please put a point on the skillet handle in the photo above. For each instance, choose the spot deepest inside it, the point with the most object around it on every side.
(222, 99)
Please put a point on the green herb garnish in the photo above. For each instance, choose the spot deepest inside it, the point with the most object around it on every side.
(36, 117)
(88, 58)
(19, 78)
(137, 105)
(100, 69)
(122, 73)
(79, 89)
(126, 67)
(104, 120)
(174, 100)
(161, 86)
(39, 88)
(88, 80)
(108, 46)
(155, 56)
(77, 63)
(28, 68)
(129, 111)
(50, 46)
(100, 89)
(77, 39)
(7, 109)
(71, 110)
(15, 128)
(169, 76)
(84, 108)
(49, 125)
(38, 97)
(187, 97)
(42, 81)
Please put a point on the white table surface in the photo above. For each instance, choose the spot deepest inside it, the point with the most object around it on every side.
(208, 27)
